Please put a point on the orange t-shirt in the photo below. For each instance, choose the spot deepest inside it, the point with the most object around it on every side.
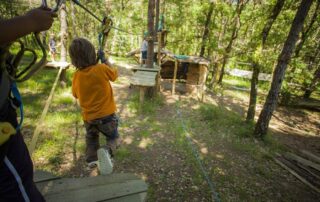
(92, 87)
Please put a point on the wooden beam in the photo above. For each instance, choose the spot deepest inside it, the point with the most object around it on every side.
(311, 156)
(42, 176)
(303, 161)
(40, 124)
(100, 188)
(174, 77)
(296, 175)
(142, 94)
(158, 79)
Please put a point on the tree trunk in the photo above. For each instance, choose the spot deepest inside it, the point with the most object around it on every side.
(275, 12)
(150, 33)
(151, 7)
(279, 72)
(316, 76)
(234, 35)
(305, 33)
(256, 66)
(64, 37)
(304, 36)
(214, 73)
(253, 92)
(206, 29)
(313, 84)
(73, 20)
(157, 18)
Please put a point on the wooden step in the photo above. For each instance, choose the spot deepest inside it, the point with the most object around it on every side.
(113, 187)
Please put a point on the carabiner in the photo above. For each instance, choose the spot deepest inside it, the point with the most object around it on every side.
(32, 67)
(54, 9)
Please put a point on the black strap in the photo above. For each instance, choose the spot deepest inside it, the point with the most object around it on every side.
(4, 88)
(4, 149)
(4, 77)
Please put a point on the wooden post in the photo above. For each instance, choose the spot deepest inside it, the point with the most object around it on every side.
(159, 48)
(204, 71)
(159, 62)
(142, 94)
(174, 77)
(64, 38)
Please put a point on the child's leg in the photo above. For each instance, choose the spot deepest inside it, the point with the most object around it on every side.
(92, 142)
(109, 128)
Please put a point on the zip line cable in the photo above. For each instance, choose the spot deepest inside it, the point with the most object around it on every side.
(97, 18)
(214, 194)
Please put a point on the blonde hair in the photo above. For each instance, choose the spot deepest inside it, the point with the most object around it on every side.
(82, 53)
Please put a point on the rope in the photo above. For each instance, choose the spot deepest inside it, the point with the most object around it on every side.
(43, 115)
(214, 194)
(97, 18)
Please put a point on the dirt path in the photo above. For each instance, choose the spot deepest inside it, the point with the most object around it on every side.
(154, 147)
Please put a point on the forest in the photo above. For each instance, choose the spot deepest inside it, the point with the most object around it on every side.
(228, 112)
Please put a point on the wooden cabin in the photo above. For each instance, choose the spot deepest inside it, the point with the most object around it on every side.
(190, 70)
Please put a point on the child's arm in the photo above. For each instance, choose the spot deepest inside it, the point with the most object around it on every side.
(111, 72)
(35, 20)
(74, 87)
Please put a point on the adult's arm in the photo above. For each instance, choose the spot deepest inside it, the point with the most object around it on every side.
(36, 20)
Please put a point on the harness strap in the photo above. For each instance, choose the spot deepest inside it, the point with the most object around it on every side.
(16, 94)
(101, 55)
(4, 88)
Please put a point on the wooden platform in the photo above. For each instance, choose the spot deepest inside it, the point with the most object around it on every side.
(63, 65)
(139, 68)
(143, 78)
(114, 187)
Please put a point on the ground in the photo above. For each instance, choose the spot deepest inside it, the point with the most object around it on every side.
(163, 141)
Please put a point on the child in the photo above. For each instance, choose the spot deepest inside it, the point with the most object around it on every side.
(91, 86)
(144, 50)
(52, 48)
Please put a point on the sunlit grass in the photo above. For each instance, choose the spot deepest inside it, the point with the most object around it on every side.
(149, 107)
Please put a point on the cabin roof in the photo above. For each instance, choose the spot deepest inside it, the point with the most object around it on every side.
(180, 58)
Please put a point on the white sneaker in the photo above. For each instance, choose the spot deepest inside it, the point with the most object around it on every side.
(105, 164)
(92, 164)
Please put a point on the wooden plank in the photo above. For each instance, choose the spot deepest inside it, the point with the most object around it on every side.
(143, 83)
(42, 176)
(142, 80)
(98, 188)
(311, 156)
(145, 76)
(146, 69)
(63, 65)
(144, 73)
(303, 161)
(135, 197)
(296, 175)
(310, 171)
(98, 193)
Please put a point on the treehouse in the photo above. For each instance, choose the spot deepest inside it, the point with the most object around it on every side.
(191, 71)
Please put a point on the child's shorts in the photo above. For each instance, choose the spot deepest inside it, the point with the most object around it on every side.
(144, 55)
(108, 126)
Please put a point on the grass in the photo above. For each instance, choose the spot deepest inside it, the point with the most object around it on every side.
(149, 106)
(238, 164)
(242, 83)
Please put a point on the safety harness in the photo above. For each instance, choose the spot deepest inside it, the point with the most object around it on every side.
(11, 73)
